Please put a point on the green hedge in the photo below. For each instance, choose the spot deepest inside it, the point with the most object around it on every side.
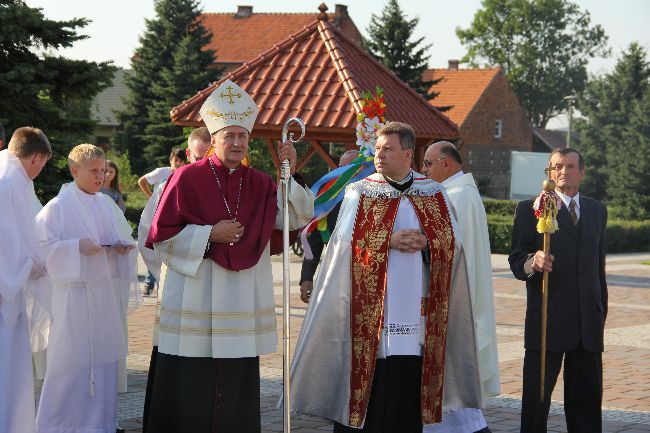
(628, 236)
(500, 231)
(500, 207)
(622, 236)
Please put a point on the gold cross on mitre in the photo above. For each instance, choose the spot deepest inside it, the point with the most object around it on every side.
(230, 95)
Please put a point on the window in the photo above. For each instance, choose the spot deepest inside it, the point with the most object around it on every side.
(497, 128)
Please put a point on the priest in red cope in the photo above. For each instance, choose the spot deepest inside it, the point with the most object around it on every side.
(216, 226)
(387, 343)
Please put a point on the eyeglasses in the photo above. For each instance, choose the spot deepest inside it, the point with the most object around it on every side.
(189, 155)
(208, 152)
(428, 163)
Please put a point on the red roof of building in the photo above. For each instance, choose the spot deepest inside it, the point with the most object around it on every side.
(238, 38)
(460, 88)
(318, 74)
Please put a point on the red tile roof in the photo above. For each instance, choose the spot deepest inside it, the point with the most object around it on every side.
(318, 74)
(237, 40)
(241, 39)
(460, 88)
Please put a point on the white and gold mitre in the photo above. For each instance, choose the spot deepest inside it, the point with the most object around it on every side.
(229, 105)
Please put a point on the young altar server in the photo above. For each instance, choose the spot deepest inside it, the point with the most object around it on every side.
(27, 153)
(93, 274)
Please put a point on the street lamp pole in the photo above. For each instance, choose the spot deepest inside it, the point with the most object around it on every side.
(569, 100)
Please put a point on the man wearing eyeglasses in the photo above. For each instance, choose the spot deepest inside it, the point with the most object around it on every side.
(443, 164)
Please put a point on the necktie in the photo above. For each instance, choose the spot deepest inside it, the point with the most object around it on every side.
(572, 212)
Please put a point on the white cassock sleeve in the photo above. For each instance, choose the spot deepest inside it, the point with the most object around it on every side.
(125, 268)
(63, 258)
(301, 206)
(16, 264)
(184, 252)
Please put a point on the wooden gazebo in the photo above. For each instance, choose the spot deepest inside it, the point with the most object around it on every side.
(318, 74)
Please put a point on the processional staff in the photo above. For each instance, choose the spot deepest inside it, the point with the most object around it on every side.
(286, 364)
(546, 208)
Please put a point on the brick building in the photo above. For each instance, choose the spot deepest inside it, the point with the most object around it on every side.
(491, 120)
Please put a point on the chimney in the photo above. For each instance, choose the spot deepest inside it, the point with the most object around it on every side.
(244, 11)
(340, 14)
(453, 64)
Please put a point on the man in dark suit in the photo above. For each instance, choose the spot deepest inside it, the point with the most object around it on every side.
(316, 240)
(577, 302)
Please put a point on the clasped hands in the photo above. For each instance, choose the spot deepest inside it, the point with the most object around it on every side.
(408, 241)
(226, 232)
(405, 241)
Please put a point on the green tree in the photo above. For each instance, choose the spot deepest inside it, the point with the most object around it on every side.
(543, 47)
(178, 82)
(47, 91)
(614, 136)
(391, 43)
(629, 187)
(169, 65)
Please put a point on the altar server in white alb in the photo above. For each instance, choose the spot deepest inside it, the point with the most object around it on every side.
(93, 269)
(25, 157)
(215, 229)
(443, 163)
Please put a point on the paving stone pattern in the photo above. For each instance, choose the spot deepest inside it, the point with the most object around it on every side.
(626, 400)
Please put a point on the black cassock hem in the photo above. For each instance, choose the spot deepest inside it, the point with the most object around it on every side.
(394, 405)
(204, 395)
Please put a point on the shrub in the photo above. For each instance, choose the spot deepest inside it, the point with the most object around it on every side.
(627, 236)
(500, 207)
(622, 236)
(500, 232)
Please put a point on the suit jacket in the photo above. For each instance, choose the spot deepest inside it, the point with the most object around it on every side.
(577, 297)
(316, 244)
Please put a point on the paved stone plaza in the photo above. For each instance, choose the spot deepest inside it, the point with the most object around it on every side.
(626, 400)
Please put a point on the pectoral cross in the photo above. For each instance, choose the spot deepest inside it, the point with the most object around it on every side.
(230, 95)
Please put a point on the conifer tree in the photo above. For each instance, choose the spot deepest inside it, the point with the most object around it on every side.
(169, 66)
(614, 136)
(47, 91)
(391, 43)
